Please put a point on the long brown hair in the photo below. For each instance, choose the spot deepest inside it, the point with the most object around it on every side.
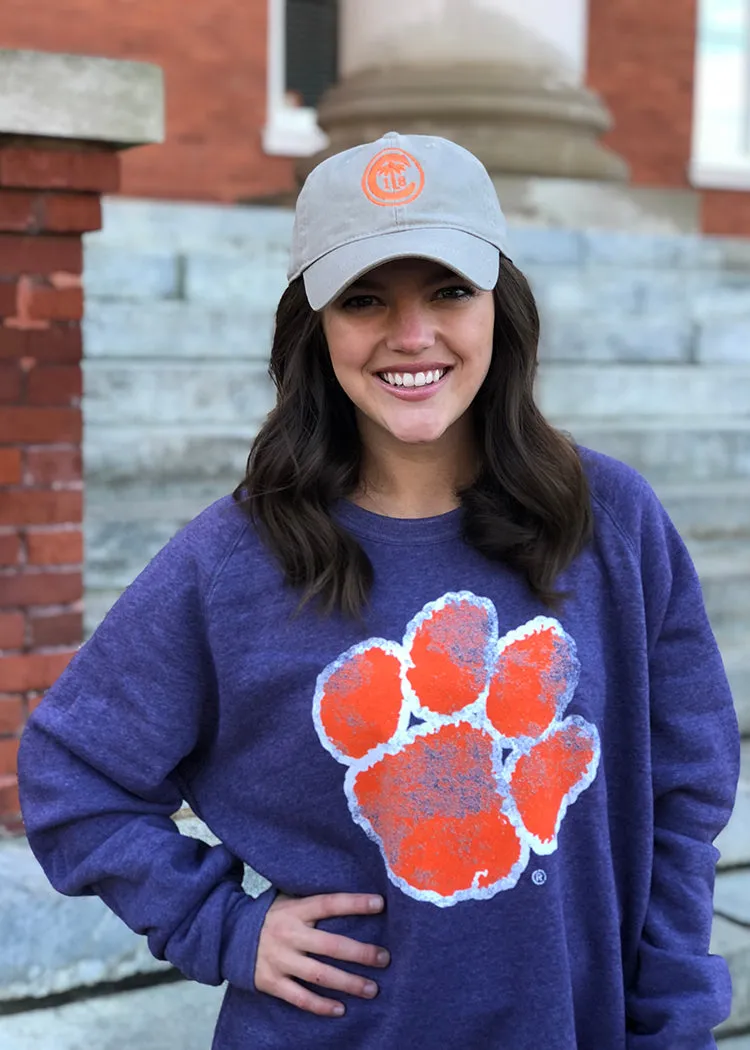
(529, 507)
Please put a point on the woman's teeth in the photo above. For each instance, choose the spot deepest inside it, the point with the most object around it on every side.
(413, 378)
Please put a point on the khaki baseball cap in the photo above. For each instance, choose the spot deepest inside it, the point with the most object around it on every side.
(403, 196)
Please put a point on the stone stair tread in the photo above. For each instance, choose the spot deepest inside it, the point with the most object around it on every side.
(737, 665)
(59, 943)
(722, 564)
(732, 896)
(734, 841)
(736, 653)
(732, 940)
(638, 423)
(731, 489)
(176, 1014)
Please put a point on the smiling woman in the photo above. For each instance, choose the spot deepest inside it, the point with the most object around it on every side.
(443, 677)
(403, 290)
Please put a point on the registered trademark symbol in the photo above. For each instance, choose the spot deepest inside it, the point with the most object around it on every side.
(539, 877)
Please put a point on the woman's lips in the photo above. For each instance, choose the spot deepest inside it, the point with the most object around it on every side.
(415, 393)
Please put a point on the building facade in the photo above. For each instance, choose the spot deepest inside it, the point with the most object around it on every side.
(243, 82)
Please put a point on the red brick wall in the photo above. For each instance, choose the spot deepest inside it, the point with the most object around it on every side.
(213, 53)
(48, 199)
(725, 213)
(640, 59)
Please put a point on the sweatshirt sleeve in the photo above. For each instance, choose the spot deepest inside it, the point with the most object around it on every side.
(99, 775)
(681, 992)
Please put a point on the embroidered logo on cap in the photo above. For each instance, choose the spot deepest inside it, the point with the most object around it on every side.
(393, 177)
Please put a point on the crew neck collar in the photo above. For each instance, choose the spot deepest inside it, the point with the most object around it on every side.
(403, 531)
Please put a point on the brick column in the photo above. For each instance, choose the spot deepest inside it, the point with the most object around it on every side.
(63, 122)
(641, 60)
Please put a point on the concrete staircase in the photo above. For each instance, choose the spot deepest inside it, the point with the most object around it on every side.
(646, 356)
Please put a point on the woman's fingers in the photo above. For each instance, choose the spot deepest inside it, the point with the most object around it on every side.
(335, 946)
(314, 972)
(332, 905)
(294, 993)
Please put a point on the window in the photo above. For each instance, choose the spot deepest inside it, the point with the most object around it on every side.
(302, 63)
(721, 129)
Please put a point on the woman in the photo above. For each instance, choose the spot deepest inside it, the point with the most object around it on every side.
(442, 677)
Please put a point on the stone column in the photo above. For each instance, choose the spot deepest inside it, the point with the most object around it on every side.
(503, 78)
(63, 121)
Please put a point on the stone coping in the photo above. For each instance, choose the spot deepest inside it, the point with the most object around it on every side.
(60, 944)
(80, 97)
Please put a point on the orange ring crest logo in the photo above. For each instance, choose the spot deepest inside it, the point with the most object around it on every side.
(393, 177)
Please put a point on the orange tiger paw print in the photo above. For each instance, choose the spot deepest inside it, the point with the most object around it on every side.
(460, 760)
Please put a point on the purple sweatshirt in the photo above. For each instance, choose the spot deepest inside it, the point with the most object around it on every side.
(535, 796)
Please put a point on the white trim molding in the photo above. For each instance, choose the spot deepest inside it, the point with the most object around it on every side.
(720, 175)
(721, 113)
(290, 131)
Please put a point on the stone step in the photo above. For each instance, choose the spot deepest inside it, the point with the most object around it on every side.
(181, 226)
(731, 938)
(709, 510)
(732, 941)
(737, 665)
(118, 457)
(632, 291)
(191, 393)
(638, 395)
(175, 330)
(670, 452)
(58, 943)
(725, 581)
(734, 841)
(634, 392)
(177, 1014)
(731, 928)
(732, 896)
(678, 455)
(190, 226)
(687, 336)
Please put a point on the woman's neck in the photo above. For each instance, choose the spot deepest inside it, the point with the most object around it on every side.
(415, 481)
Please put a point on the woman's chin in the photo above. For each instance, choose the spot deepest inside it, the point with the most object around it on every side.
(422, 433)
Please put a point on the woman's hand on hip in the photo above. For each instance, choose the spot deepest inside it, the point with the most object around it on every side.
(288, 938)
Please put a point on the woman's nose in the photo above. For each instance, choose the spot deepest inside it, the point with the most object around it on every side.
(410, 330)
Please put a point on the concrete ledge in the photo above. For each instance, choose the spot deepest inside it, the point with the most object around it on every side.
(734, 841)
(53, 944)
(81, 98)
(582, 202)
(165, 1016)
(732, 941)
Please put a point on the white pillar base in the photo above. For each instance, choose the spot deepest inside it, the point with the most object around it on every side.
(512, 120)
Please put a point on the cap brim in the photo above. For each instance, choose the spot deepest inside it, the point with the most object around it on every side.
(473, 258)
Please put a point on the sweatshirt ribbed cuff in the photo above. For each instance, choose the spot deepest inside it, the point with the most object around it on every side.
(241, 935)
